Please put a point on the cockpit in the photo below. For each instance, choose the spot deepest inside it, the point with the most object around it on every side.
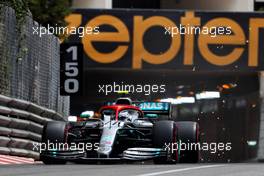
(129, 115)
(125, 114)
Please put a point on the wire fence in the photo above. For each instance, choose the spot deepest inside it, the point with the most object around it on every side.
(30, 73)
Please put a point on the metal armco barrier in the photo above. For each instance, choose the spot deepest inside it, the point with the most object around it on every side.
(21, 124)
(30, 69)
(30, 74)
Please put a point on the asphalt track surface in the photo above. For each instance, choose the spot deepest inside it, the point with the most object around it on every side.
(252, 169)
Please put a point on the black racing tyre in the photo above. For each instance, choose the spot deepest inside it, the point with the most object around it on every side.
(165, 132)
(189, 139)
(54, 132)
(55, 161)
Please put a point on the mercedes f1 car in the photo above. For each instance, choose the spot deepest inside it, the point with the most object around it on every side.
(125, 130)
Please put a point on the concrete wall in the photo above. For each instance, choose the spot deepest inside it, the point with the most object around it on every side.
(107, 4)
(220, 5)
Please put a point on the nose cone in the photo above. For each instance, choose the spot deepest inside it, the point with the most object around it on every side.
(108, 138)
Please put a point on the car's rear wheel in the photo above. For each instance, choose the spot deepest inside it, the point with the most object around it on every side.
(54, 132)
(165, 134)
(188, 135)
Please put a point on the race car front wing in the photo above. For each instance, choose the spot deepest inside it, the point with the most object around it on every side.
(133, 154)
(138, 154)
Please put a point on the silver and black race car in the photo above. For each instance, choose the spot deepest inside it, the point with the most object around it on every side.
(124, 131)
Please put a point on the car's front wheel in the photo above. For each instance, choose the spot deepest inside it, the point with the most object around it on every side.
(189, 139)
(164, 136)
(54, 132)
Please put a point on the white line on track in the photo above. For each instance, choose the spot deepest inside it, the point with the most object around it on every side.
(179, 170)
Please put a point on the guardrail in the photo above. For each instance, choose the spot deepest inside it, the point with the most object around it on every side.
(21, 124)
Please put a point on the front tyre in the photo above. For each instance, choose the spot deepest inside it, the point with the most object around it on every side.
(165, 133)
(189, 139)
(54, 132)
(50, 161)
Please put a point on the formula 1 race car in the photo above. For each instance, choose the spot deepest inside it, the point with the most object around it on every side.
(126, 130)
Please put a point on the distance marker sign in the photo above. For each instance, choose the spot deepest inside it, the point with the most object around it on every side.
(71, 68)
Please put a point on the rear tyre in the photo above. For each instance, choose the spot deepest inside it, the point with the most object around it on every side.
(165, 132)
(188, 135)
(53, 132)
